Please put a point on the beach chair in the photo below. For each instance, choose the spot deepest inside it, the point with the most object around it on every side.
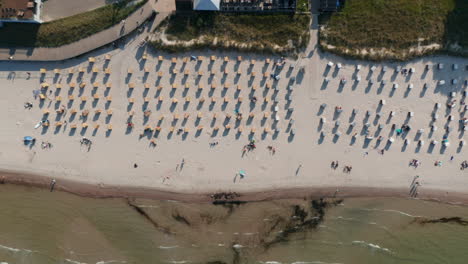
(200, 86)
(131, 85)
(97, 111)
(252, 130)
(215, 115)
(251, 115)
(213, 58)
(226, 85)
(174, 100)
(199, 115)
(186, 72)
(146, 85)
(238, 88)
(200, 73)
(146, 99)
(96, 126)
(85, 113)
(107, 57)
(107, 71)
(200, 58)
(109, 127)
(95, 70)
(160, 58)
(160, 99)
(226, 59)
(185, 60)
(131, 100)
(226, 100)
(239, 58)
(186, 130)
(267, 61)
(82, 85)
(73, 126)
(266, 74)
(228, 116)
(239, 72)
(253, 74)
(227, 126)
(96, 96)
(187, 99)
(266, 100)
(160, 74)
(81, 70)
(226, 72)
(159, 88)
(252, 62)
(146, 70)
(84, 98)
(175, 71)
(187, 86)
(58, 86)
(145, 56)
(131, 113)
(91, 60)
(58, 124)
(43, 71)
(200, 127)
(108, 85)
(73, 111)
(109, 112)
(71, 97)
(72, 85)
(254, 87)
(174, 60)
(174, 86)
(213, 99)
(186, 115)
(266, 114)
(46, 111)
(239, 99)
(171, 129)
(268, 85)
(130, 71)
(202, 99)
(213, 86)
(95, 84)
(58, 98)
(71, 71)
(84, 125)
(216, 128)
(56, 71)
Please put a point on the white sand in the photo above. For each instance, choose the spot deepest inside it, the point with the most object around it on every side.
(111, 158)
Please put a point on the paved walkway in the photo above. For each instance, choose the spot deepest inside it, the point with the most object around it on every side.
(90, 43)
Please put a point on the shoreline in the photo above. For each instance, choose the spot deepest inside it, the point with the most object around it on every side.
(87, 190)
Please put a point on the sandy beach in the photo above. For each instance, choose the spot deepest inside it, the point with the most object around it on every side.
(188, 162)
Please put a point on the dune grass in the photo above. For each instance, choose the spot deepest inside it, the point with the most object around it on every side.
(397, 25)
(66, 30)
(261, 30)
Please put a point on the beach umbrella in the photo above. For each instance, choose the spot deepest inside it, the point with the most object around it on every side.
(28, 138)
(242, 173)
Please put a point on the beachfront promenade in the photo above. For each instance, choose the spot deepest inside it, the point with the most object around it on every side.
(95, 41)
(155, 118)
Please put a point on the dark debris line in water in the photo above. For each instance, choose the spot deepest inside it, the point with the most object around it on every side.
(142, 212)
(302, 219)
(455, 220)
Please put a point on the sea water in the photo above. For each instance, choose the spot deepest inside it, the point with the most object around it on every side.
(38, 226)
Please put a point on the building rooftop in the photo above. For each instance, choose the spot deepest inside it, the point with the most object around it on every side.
(17, 9)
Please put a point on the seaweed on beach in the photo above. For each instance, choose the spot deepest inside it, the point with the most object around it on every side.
(443, 220)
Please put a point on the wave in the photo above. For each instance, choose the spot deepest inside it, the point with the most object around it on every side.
(110, 262)
(178, 261)
(168, 247)
(372, 246)
(74, 261)
(390, 211)
(15, 249)
(314, 262)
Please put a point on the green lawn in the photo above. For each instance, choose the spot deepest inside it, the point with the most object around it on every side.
(66, 30)
(260, 30)
(397, 24)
